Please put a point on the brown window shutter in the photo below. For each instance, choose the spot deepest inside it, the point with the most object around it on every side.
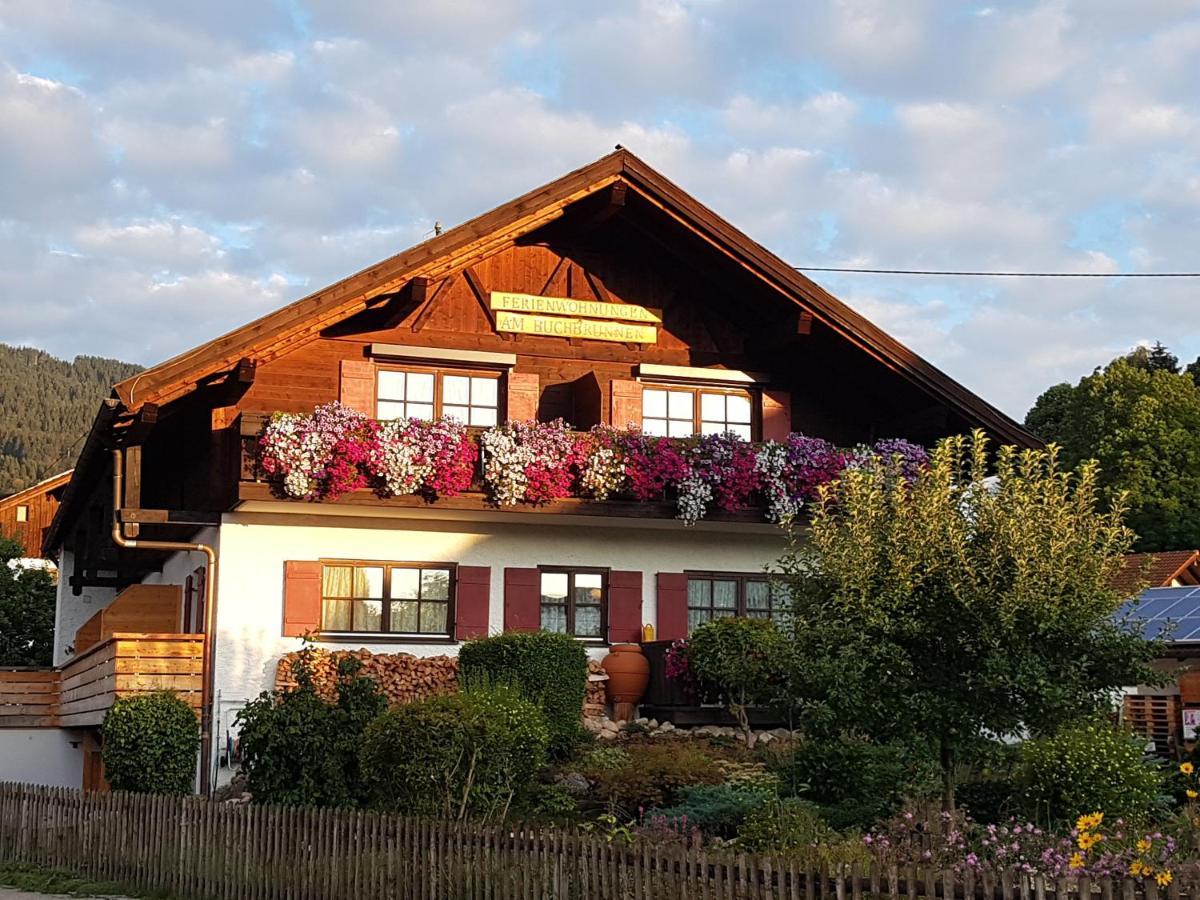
(357, 387)
(776, 415)
(624, 607)
(672, 606)
(522, 600)
(301, 597)
(523, 396)
(626, 407)
(471, 601)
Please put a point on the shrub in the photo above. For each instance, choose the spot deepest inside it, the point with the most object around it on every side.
(149, 744)
(475, 752)
(1089, 767)
(716, 809)
(605, 759)
(300, 750)
(796, 826)
(549, 669)
(738, 660)
(653, 776)
(855, 781)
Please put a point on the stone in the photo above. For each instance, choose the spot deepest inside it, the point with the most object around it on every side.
(780, 733)
(764, 737)
(643, 721)
(607, 736)
(574, 784)
(667, 726)
(652, 724)
(609, 725)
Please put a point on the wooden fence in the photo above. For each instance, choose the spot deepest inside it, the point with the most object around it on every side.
(190, 847)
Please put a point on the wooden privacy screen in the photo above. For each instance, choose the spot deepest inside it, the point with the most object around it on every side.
(140, 608)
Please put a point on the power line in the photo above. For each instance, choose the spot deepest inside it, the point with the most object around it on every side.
(1000, 274)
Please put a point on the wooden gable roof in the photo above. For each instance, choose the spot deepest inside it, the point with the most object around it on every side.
(302, 321)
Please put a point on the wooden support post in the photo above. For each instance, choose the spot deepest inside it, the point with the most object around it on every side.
(431, 301)
(133, 483)
(484, 302)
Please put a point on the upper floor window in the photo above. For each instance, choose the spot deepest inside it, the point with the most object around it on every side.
(470, 397)
(391, 598)
(720, 595)
(22, 513)
(684, 411)
(574, 601)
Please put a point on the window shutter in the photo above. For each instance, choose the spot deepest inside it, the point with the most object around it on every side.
(776, 415)
(471, 601)
(626, 407)
(522, 600)
(523, 396)
(624, 607)
(672, 606)
(301, 597)
(357, 387)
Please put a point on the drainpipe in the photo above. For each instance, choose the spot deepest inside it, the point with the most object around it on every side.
(210, 612)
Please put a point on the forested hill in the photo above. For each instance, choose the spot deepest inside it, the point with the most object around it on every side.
(46, 408)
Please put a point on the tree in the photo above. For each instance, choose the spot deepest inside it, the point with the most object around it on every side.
(27, 598)
(959, 604)
(1047, 418)
(1141, 425)
(1154, 359)
(737, 659)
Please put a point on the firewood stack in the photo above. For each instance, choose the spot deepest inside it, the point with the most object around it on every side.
(401, 677)
(595, 700)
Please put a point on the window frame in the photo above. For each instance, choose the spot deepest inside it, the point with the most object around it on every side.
(22, 513)
(439, 373)
(385, 612)
(752, 395)
(742, 578)
(571, 572)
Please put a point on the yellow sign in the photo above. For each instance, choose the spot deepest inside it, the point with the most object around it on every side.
(589, 329)
(565, 306)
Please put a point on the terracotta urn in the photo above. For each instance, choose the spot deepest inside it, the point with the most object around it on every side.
(628, 673)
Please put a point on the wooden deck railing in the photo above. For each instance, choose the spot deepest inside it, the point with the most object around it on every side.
(82, 691)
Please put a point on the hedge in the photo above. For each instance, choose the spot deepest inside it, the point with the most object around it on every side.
(549, 669)
(149, 744)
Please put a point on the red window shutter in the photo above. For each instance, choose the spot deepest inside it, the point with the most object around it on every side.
(624, 607)
(672, 606)
(626, 407)
(357, 388)
(522, 600)
(776, 415)
(524, 395)
(471, 601)
(301, 597)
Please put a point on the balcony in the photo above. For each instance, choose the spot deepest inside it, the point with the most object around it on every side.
(79, 694)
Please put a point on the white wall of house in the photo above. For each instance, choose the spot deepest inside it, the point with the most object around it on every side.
(178, 566)
(70, 611)
(41, 756)
(254, 547)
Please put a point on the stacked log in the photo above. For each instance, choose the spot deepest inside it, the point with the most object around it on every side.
(401, 677)
(595, 700)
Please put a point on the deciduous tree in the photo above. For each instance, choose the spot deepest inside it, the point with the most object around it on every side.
(27, 599)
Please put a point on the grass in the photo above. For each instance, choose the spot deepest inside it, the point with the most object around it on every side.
(51, 881)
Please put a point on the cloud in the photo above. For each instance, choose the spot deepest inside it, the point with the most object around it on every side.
(184, 168)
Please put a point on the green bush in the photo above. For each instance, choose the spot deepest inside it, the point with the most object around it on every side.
(299, 750)
(149, 744)
(716, 809)
(477, 752)
(605, 758)
(738, 661)
(853, 780)
(549, 669)
(1089, 767)
(653, 776)
(791, 826)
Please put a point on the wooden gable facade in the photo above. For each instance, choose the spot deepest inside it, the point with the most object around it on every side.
(25, 515)
(615, 232)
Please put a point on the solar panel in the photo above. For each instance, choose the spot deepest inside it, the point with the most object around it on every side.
(1160, 609)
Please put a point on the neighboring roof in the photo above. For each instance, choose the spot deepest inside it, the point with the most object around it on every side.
(1175, 610)
(301, 321)
(35, 490)
(1155, 570)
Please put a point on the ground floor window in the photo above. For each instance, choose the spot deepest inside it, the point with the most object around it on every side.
(575, 601)
(716, 595)
(387, 597)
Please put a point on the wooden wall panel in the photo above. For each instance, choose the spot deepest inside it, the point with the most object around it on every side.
(40, 503)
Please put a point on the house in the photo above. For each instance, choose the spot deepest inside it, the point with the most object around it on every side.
(606, 296)
(25, 515)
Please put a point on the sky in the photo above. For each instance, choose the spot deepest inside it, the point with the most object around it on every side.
(169, 171)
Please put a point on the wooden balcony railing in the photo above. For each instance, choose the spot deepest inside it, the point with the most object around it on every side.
(81, 692)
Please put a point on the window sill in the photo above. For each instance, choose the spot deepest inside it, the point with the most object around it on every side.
(374, 637)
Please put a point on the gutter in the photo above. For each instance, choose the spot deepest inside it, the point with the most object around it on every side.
(210, 612)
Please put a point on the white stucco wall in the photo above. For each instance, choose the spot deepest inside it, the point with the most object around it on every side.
(70, 611)
(254, 547)
(41, 756)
